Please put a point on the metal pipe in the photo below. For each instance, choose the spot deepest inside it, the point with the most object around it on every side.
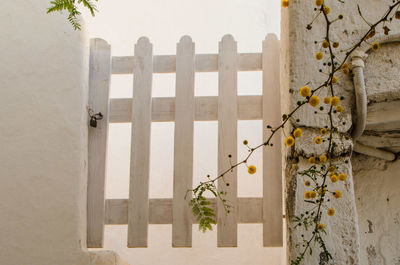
(357, 63)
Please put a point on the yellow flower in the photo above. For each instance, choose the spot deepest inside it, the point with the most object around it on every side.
(335, 101)
(314, 101)
(317, 140)
(375, 46)
(327, 10)
(307, 194)
(334, 178)
(322, 190)
(311, 160)
(346, 68)
(324, 131)
(319, 55)
(289, 141)
(337, 194)
(321, 226)
(335, 44)
(331, 212)
(305, 91)
(343, 176)
(327, 100)
(319, 2)
(307, 183)
(323, 158)
(285, 3)
(334, 79)
(251, 169)
(297, 133)
(332, 168)
(313, 194)
(339, 108)
(325, 44)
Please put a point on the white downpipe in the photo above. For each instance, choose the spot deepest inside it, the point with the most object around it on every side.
(357, 62)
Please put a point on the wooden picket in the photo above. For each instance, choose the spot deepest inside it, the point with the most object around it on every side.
(272, 156)
(227, 139)
(227, 108)
(99, 98)
(140, 145)
(184, 130)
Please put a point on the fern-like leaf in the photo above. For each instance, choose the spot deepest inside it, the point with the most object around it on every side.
(72, 7)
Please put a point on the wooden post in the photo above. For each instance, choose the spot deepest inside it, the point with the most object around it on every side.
(272, 155)
(99, 87)
(138, 211)
(183, 150)
(227, 139)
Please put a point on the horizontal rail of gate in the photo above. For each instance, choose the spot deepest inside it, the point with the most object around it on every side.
(142, 109)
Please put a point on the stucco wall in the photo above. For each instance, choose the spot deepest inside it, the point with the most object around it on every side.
(299, 67)
(377, 185)
(43, 95)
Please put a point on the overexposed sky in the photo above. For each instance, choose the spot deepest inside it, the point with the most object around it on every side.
(121, 23)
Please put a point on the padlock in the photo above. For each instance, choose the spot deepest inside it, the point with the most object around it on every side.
(93, 122)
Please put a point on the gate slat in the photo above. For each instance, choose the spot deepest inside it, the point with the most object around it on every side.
(183, 150)
(206, 109)
(160, 211)
(272, 155)
(99, 87)
(138, 211)
(227, 139)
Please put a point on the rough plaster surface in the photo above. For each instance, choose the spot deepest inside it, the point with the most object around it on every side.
(299, 67)
(306, 147)
(106, 257)
(342, 230)
(382, 74)
(377, 197)
(43, 95)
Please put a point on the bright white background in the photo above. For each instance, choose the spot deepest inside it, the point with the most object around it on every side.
(121, 23)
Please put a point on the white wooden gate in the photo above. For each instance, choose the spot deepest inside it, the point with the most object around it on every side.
(139, 210)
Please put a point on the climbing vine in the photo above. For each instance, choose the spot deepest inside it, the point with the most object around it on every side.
(323, 170)
(71, 6)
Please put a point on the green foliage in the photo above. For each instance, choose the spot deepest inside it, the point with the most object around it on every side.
(201, 206)
(71, 6)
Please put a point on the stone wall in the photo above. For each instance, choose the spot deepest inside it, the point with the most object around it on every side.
(298, 68)
(377, 185)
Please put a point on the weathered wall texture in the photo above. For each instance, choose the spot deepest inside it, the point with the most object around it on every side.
(381, 73)
(43, 95)
(377, 182)
(377, 186)
(105, 257)
(300, 67)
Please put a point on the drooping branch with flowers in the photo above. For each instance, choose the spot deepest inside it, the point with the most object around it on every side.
(323, 170)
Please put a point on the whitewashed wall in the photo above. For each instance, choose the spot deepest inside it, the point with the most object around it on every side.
(299, 67)
(43, 95)
(377, 185)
